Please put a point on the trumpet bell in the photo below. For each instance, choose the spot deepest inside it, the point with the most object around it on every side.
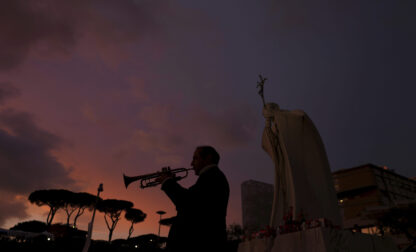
(128, 180)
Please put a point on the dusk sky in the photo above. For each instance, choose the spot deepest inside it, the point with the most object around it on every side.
(90, 90)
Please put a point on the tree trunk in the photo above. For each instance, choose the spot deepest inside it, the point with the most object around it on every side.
(79, 213)
(47, 218)
(51, 215)
(69, 214)
(110, 235)
(67, 219)
(131, 229)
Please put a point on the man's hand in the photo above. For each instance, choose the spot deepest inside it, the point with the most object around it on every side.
(164, 174)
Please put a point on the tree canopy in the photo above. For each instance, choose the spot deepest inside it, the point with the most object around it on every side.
(400, 219)
(134, 216)
(112, 208)
(75, 204)
(167, 221)
(30, 226)
(84, 201)
(69, 205)
(52, 198)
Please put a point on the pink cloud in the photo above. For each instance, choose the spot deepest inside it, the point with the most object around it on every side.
(47, 28)
(171, 133)
(11, 206)
(27, 162)
(7, 91)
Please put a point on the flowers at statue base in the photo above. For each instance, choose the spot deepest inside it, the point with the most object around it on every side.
(264, 233)
(289, 225)
(301, 223)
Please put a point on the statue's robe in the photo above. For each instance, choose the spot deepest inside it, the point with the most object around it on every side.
(303, 181)
(303, 178)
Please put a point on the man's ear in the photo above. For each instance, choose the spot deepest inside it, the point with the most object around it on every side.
(209, 159)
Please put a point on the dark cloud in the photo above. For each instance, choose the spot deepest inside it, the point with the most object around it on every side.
(7, 91)
(24, 24)
(26, 156)
(26, 162)
(229, 127)
(169, 130)
(351, 66)
(356, 61)
(57, 26)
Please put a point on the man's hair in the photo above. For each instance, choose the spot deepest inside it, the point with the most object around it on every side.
(209, 152)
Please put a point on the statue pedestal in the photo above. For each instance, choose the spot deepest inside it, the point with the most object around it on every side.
(320, 239)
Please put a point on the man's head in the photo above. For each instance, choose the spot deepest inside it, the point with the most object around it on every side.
(203, 156)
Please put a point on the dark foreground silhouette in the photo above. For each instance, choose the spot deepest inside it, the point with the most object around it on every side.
(149, 242)
(76, 244)
(71, 239)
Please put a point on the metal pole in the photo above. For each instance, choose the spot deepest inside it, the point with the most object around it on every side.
(88, 240)
(158, 234)
(160, 213)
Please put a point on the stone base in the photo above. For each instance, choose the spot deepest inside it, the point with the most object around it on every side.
(320, 240)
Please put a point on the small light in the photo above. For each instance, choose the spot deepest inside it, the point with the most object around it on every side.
(49, 239)
(136, 246)
(340, 201)
(151, 240)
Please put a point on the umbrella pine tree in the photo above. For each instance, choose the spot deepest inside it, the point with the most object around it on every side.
(112, 210)
(134, 216)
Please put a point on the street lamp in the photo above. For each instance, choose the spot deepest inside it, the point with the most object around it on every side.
(160, 213)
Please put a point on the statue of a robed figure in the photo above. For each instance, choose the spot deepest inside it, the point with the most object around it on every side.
(302, 177)
(303, 188)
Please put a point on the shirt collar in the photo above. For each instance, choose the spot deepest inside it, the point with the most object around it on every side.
(206, 168)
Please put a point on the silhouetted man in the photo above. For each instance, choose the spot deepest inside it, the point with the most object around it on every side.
(201, 210)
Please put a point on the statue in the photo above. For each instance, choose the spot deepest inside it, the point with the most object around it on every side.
(303, 185)
(303, 180)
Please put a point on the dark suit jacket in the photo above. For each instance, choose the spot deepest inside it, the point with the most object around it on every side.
(201, 210)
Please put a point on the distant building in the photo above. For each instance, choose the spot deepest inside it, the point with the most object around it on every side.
(359, 190)
(256, 200)
(24, 236)
(368, 188)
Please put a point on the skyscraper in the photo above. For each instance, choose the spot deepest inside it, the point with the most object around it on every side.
(256, 200)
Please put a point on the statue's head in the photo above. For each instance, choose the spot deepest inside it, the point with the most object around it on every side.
(270, 109)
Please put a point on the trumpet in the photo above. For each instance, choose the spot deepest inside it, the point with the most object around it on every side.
(149, 180)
